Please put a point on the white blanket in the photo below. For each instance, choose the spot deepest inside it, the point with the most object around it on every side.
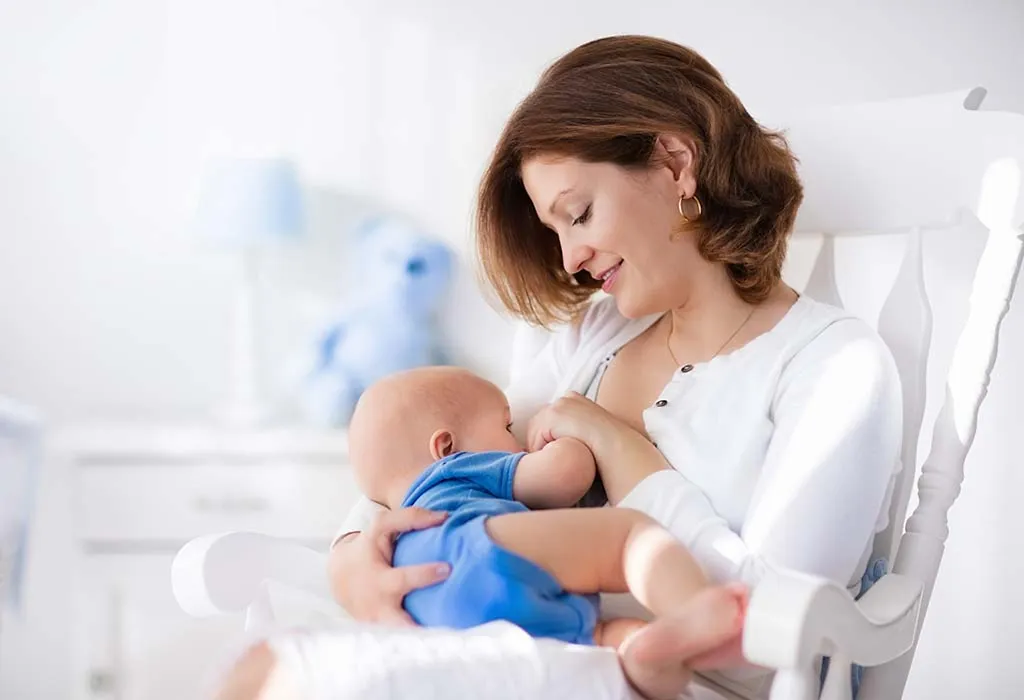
(497, 660)
(339, 658)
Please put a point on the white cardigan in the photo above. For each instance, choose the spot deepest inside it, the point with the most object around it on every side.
(784, 452)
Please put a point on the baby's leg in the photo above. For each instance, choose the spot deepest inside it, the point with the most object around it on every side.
(612, 633)
(606, 550)
(611, 550)
(656, 655)
(657, 658)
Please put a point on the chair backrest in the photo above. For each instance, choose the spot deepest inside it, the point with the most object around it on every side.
(912, 166)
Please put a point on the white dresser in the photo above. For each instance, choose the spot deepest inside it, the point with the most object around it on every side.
(137, 494)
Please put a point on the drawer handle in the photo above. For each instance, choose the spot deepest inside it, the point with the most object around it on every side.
(231, 504)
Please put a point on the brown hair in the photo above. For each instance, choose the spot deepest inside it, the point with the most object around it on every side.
(608, 101)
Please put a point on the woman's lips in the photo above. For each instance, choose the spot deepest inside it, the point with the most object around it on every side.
(609, 279)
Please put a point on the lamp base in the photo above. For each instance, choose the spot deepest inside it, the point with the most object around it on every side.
(245, 406)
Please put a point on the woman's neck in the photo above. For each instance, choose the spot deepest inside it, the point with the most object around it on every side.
(713, 312)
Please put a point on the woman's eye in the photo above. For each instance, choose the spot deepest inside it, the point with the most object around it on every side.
(582, 218)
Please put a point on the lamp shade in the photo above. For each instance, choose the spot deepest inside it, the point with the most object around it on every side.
(247, 202)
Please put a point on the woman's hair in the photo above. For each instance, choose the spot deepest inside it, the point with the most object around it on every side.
(608, 101)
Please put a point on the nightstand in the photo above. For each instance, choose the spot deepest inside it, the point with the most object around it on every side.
(138, 494)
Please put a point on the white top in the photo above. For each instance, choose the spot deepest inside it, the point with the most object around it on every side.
(784, 452)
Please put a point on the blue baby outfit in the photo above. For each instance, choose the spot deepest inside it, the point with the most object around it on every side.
(487, 582)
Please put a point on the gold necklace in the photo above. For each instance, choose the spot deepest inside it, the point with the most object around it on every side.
(672, 329)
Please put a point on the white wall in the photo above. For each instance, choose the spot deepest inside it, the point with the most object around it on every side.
(108, 308)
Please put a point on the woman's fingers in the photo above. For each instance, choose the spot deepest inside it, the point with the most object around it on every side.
(406, 579)
(532, 440)
(361, 576)
(395, 522)
(538, 432)
(396, 617)
(563, 417)
(392, 523)
(539, 441)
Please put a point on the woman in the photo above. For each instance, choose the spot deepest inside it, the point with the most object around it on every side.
(762, 428)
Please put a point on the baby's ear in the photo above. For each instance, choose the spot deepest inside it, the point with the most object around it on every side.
(442, 442)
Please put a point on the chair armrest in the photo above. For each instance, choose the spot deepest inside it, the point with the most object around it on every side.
(794, 618)
(224, 573)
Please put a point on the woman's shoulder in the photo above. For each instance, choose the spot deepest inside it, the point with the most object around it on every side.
(828, 334)
(826, 324)
(840, 367)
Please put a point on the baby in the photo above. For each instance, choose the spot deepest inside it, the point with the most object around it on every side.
(440, 438)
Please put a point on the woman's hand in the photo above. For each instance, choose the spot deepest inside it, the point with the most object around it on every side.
(361, 577)
(573, 415)
(624, 455)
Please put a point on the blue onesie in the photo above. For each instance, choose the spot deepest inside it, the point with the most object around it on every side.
(487, 582)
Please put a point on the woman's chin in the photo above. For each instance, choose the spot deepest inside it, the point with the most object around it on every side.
(629, 307)
(635, 303)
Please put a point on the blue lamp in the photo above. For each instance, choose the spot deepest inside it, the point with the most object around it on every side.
(248, 204)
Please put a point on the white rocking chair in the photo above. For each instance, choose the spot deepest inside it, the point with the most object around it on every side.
(910, 165)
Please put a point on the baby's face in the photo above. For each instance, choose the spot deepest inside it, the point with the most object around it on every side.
(490, 429)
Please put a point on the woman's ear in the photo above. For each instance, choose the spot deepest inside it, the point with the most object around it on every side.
(678, 153)
(442, 443)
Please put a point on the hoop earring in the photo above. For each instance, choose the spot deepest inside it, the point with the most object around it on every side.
(700, 209)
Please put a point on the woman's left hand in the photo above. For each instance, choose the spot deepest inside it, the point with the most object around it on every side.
(573, 415)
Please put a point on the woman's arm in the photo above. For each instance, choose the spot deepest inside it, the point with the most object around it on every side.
(837, 429)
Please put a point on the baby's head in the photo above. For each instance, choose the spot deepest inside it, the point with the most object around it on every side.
(408, 420)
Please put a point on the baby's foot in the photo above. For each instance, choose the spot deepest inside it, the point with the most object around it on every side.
(654, 658)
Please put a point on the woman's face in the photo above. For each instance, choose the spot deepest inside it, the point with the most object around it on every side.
(617, 225)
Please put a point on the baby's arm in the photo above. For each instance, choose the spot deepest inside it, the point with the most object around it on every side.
(556, 476)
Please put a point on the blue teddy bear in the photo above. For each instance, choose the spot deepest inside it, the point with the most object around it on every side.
(390, 327)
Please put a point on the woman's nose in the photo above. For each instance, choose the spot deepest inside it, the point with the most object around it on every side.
(574, 257)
